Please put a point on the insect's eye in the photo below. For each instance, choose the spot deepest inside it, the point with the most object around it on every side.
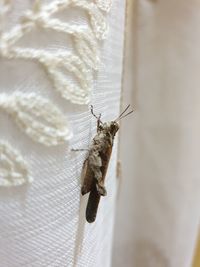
(112, 127)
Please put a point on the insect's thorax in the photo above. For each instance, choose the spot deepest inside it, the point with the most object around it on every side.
(103, 140)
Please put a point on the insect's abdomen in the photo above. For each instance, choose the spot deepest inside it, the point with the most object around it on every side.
(92, 205)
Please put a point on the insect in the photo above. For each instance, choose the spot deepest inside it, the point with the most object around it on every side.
(96, 164)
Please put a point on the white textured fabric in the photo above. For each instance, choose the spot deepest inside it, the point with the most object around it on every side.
(161, 141)
(43, 223)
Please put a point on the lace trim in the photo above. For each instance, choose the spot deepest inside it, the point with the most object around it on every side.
(37, 117)
(13, 168)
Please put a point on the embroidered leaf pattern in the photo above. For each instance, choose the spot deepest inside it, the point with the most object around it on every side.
(37, 117)
(84, 42)
(58, 66)
(71, 73)
(81, 63)
(104, 5)
(13, 168)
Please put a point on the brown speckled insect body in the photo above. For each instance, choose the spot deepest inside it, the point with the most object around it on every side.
(96, 164)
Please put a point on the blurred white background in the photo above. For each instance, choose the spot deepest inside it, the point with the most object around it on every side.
(158, 211)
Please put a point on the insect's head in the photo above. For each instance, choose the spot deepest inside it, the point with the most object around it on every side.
(113, 126)
(109, 128)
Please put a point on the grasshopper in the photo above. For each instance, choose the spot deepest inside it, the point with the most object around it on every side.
(96, 163)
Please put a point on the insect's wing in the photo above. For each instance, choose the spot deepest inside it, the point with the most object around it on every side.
(86, 178)
(92, 205)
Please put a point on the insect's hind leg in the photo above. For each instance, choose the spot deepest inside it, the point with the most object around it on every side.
(101, 189)
(95, 163)
(99, 182)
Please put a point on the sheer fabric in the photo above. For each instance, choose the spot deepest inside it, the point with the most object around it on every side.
(61, 63)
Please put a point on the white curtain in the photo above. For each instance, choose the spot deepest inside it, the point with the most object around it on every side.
(56, 58)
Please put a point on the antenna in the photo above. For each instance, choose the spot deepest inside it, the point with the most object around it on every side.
(121, 116)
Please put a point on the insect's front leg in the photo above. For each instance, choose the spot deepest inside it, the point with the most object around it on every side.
(99, 122)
